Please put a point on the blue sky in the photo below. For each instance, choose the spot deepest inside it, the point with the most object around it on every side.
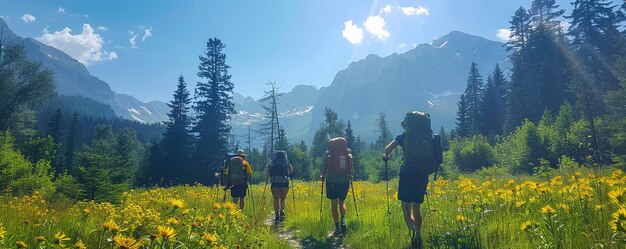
(140, 47)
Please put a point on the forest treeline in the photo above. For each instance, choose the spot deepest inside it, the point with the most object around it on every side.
(563, 100)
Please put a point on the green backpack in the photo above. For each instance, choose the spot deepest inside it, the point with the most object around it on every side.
(236, 171)
(418, 143)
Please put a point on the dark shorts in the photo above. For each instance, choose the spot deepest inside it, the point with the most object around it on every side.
(412, 188)
(280, 185)
(239, 191)
(337, 190)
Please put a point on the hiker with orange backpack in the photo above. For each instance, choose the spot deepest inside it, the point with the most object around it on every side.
(238, 174)
(278, 172)
(337, 172)
(418, 162)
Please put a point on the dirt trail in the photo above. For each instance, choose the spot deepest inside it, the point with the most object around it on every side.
(289, 235)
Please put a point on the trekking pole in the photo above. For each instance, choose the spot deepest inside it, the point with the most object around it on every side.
(293, 194)
(354, 199)
(387, 185)
(225, 190)
(251, 192)
(321, 200)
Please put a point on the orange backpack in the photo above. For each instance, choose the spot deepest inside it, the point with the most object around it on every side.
(338, 158)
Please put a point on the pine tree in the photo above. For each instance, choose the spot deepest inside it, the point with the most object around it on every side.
(445, 139)
(213, 107)
(384, 133)
(334, 126)
(494, 102)
(462, 124)
(71, 140)
(54, 126)
(597, 42)
(359, 170)
(177, 139)
(283, 143)
(474, 99)
(520, 28)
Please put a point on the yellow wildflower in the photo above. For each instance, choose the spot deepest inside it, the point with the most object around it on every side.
(177, 203)
(217, 205)
(173, 221)
(599, 207)
(617, 195)
(528, 225)
(60, 238)
(185, 212)
(461, 218)
(519, 203)
(210, 238)
(619, 222)
(80, 245)
(110, 225)
(21, 244)
(230, 205)
(126, 243)
(166, 232)
(565, 207)
(40, 239)
(2, 232)
(547, 209)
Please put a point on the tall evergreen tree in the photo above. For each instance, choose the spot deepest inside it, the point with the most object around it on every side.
(177, 139)
(462, 124)
(597, 42)
(334, 126)
(384, 133)
(494, 102)
(283, 143)
(518, 88)
(359, 170)
(54, 126)
(474, 98)
(213, 107)
(71, 141)
(520, 29)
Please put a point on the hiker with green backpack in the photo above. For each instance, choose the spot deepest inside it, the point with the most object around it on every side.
(418, 162)
(238, 174)
(338, 172)
(278, 172)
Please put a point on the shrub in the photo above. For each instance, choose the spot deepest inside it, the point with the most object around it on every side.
(471, 154)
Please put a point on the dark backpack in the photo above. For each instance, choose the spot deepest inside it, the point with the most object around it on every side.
(418, 143)
(236, 171)
(279, 167)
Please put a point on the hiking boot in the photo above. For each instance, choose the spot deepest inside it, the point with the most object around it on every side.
(282, 215)
(344, 229)
(337, 231)
(277, 217)
(416, 242)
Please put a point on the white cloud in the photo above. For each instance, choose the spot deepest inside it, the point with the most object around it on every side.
(85, 47)
(147, 34)
(504, 34)
(386, 9)
(376, 26)
(102, 28)
(133, 39)
(414, 45)
(352, 32)
(402, 46)
(61, 10)
(415, 11)
(28, 18)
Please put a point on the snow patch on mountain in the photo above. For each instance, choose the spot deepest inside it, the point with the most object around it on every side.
(137, 119)
(442, 45)
(146, 109)
(133, 110)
